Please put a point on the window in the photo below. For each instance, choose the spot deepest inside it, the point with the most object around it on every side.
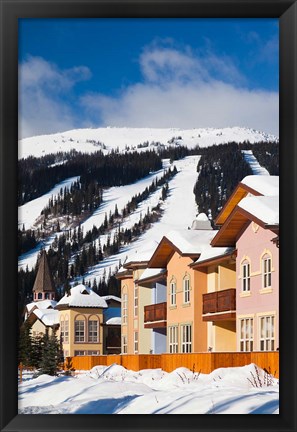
(125, 308)
(79, 353)
(245, 277)
(186, 286)
(186, 338)
(135, 342)
(124, 345)
(79, 329)
(135, 300)
(39, 296)
(246, 334)
(267, 333)
(266, 271)
(66, 353)
(173, 294)
(93, 353)
(93, 331)
(66, 330)
(173, 339)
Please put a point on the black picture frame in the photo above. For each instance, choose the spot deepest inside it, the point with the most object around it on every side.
(11, 11)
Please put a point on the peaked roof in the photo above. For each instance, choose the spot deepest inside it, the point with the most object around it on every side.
(263, 210)
(44, 280)
(81, 296)
(254, 185)
(190, 243)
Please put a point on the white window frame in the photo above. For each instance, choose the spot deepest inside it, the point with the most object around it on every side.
(267, 333)
(173, 339)
(246, 276)
(125, 308)
(79, 353)
(79, 334)
(266, 271)
(246, 334)
(136, 344)
(186, 338)
(136, 294)
(66, 330)
(186, 290)
(124, 344)
(173, 293)
(93, 333)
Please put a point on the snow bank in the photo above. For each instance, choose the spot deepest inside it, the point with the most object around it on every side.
(116, 390)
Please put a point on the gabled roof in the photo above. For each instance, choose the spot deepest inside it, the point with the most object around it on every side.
(263, 210)
(44, 280)
(152, 275)
(188, 243)
(42, 304)
(81, 296)
(255, 185)
(213, 255)
(49, 317)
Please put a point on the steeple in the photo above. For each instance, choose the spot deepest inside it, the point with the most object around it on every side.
(43, 288)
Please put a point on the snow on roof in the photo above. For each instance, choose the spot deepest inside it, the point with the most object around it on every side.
(114, 321)
(42, 304)
(150, 272)
(214, 252)
(265, 185)
(265, 208)
(111, 297)
(144, 254)
(191, 241)
(49, 317)
(82, 296)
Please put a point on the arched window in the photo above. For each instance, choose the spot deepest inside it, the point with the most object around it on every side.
(66, 329)
(39, 296)
(266, 270)
(125, 308)
(186, 289)
(80, 329)
(245, 276)
(173, 292)
(93, 329)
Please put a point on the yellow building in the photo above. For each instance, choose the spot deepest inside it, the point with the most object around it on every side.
(219, 301)
(81, 319)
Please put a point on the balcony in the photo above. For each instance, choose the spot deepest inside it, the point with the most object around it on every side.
(155, 315)
(220, 305)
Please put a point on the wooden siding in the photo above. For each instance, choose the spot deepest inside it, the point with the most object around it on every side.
(197, 362)
(155, 312)
(219, 301)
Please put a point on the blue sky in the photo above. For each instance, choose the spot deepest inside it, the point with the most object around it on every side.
(183, 73)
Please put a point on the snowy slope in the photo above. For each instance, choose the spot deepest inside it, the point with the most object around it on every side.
(179, 211)
(116, 390)
(90, 140)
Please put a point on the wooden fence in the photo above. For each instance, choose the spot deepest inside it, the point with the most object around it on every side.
(203, 362)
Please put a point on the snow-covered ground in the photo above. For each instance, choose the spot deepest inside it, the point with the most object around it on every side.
(116, 390)
(88, 140)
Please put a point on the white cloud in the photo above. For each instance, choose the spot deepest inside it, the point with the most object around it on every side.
(181, 90)
(42, 90)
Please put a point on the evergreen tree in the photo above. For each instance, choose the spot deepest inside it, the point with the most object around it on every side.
(25, 345)
(52, 356)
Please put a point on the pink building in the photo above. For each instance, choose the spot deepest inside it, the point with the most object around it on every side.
(250, 222)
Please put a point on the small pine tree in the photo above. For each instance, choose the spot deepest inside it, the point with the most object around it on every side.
(51, 355)
(25, 345)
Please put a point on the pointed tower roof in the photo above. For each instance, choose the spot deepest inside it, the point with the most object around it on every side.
(44, 280)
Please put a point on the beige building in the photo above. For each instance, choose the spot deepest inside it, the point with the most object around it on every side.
(80, 322)
(219, 301)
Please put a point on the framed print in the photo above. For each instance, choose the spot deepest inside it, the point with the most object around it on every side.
(172, 86)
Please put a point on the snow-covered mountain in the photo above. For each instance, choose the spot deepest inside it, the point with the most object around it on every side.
(106, 139)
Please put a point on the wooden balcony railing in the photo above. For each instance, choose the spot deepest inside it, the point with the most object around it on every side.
(219, 301)
(155, 315)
